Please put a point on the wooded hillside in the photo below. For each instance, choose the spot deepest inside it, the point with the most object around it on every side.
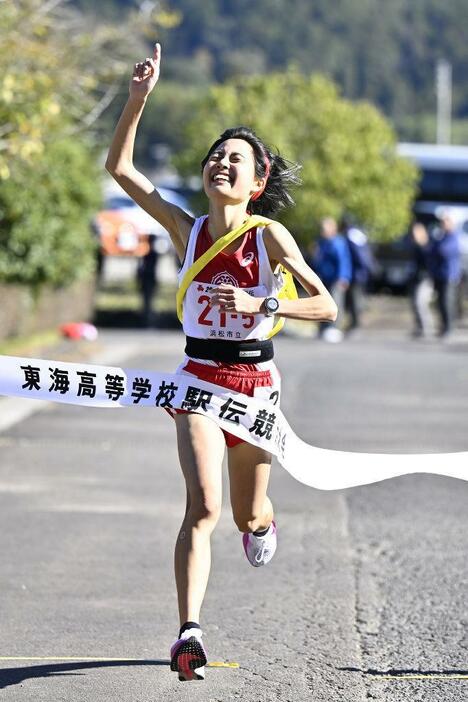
(385, 52)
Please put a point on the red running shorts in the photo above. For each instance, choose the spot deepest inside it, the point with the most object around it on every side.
(264, 384)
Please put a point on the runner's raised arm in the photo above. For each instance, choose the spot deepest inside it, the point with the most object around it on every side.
(119, 161)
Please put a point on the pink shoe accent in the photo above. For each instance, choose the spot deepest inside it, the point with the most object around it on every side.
(188, 658)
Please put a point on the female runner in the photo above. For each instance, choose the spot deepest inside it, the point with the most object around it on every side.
(228, 309)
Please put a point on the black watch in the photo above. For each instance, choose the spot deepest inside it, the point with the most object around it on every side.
(271, 305)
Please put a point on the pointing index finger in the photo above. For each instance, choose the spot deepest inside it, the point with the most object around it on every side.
(157, 52)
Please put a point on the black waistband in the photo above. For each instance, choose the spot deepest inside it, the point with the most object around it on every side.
(229, 351)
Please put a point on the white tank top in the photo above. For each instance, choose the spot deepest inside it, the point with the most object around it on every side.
(205, 322)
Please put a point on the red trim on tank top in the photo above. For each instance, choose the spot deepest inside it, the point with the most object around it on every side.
(247, 275)
(205, 232)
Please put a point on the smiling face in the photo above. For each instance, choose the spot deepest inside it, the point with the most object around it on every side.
(229, 173)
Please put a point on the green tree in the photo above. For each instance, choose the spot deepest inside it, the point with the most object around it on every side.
(58, 73)
(164, 119)
(46, 207)
(347, 149)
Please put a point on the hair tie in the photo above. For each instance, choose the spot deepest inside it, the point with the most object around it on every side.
(256, 195)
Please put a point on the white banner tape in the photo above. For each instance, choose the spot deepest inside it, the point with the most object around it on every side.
(257, 421)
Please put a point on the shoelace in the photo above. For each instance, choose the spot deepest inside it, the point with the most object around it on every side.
(260, 554)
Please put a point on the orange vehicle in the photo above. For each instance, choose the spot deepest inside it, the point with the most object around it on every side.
(124, 228)
(119, 236)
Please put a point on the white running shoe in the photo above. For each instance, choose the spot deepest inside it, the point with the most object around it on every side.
(260, 549)
(188, 656)
(332, 335)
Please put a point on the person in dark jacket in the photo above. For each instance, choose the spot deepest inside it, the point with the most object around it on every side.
(332, 262)
(445, 267)
(421, 287)
(147, 280)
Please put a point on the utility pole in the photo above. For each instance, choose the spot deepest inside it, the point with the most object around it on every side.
(444, 101)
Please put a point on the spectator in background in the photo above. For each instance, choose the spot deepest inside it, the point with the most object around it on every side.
(421, 286)
(362, 266)
(445, 266)
(332, 262)
(147, 280)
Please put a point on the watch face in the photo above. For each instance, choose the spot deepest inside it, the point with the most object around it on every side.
(271, 304)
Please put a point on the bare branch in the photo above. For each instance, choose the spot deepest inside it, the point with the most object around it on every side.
(98, 109)
(5, 129)
(46, 8)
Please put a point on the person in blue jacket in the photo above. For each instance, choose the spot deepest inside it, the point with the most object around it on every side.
(332, 262)
(445, 268)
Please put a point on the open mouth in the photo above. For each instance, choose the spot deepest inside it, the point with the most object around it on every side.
(219, 178)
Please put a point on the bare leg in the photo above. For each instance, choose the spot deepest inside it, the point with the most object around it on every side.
(249, 472)
(201, 449)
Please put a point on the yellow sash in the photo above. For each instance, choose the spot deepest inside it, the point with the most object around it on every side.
(288, 289)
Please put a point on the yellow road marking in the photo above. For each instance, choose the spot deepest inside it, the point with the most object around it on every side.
(429, 676)
(220, 664)
(100, 659)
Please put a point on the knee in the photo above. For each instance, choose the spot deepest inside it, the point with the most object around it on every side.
(204, 511)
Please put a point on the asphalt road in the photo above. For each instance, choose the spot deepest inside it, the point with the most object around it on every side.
(368, 588)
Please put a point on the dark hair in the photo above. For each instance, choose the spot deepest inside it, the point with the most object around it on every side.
(283, 174)
(347, 221)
